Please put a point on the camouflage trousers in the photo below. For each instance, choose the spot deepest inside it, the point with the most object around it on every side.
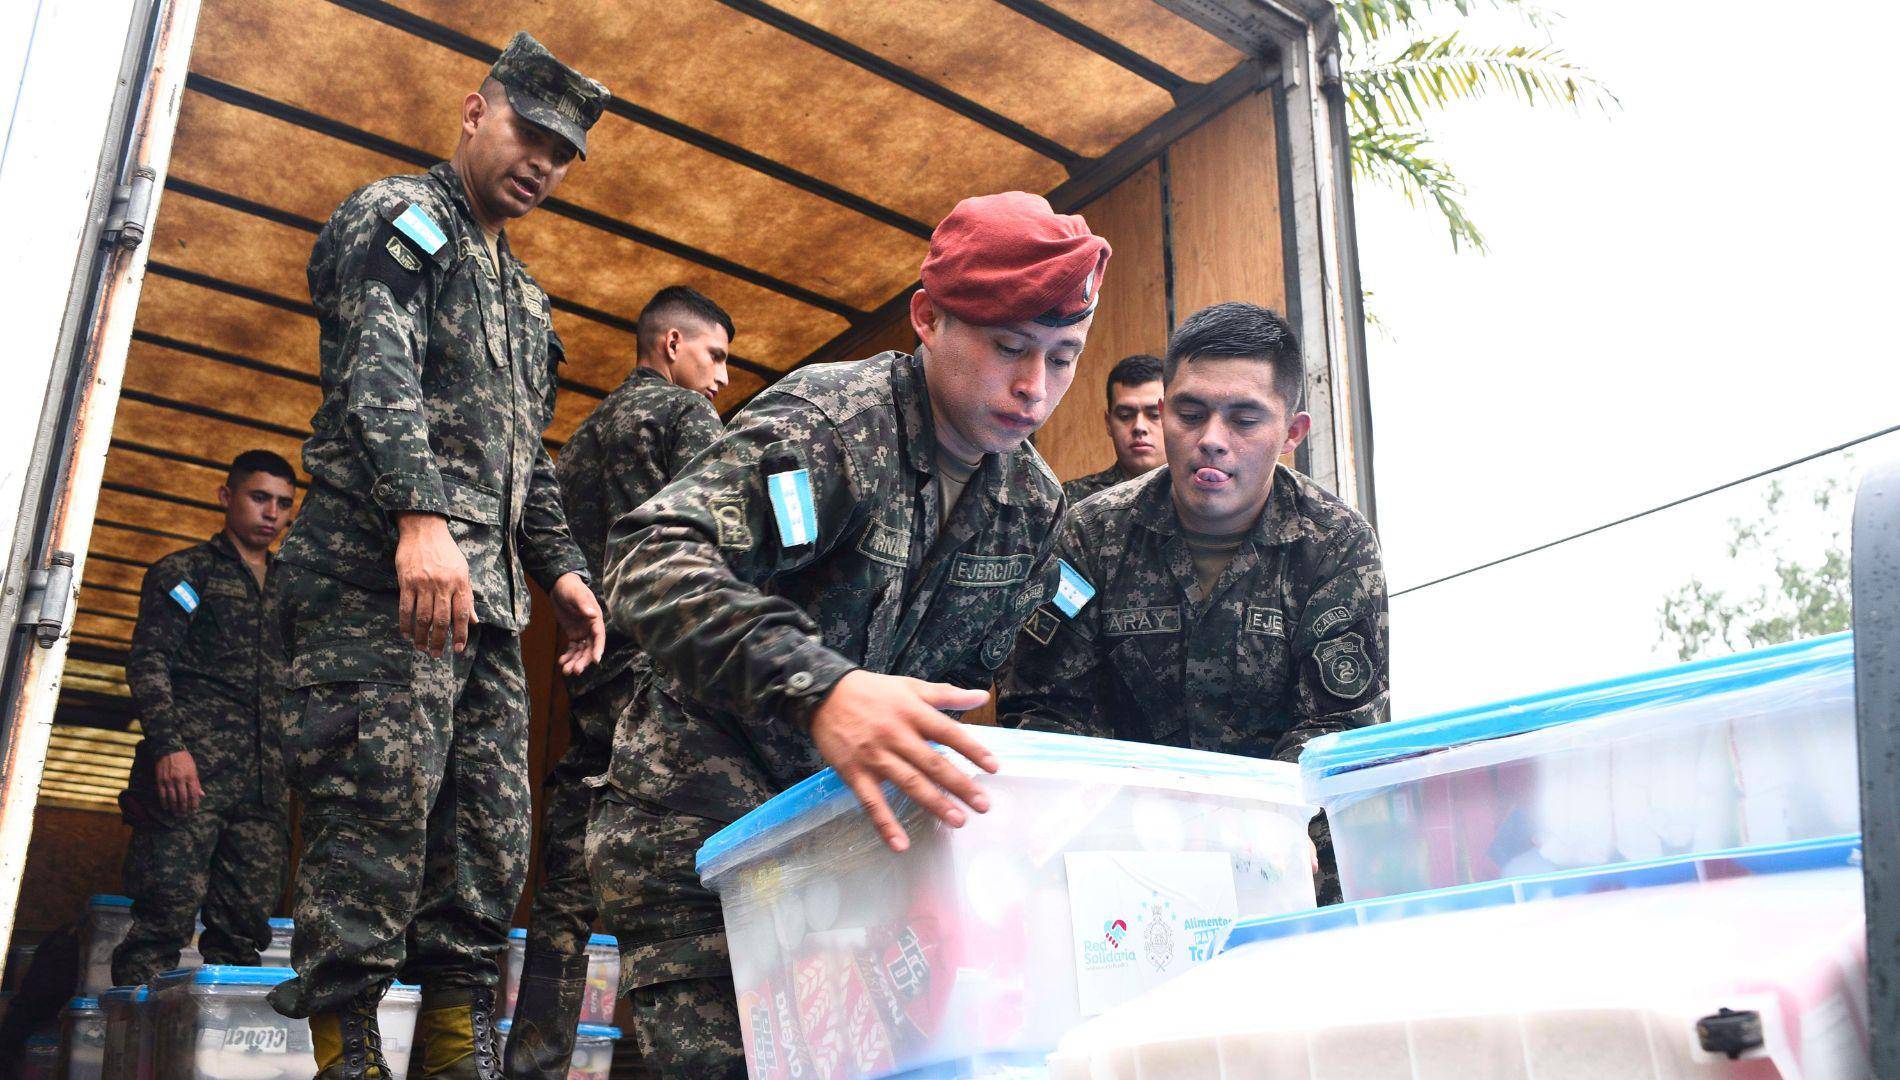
(413, 775)
(674, 969)
(225, 865)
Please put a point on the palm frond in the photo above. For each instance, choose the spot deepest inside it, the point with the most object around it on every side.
(1362, 22)
(1431, 73)
(1398, 157)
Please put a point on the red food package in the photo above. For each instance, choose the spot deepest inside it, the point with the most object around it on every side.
(815, 986)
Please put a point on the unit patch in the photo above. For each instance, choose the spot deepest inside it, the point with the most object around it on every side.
(996, 650)
(1265, 620)
(989, 571)
(1128, 622)
(1042, 625)
(729, 514)
(1344, 667)
(1330, 618)
(887, 544)
(405, 258)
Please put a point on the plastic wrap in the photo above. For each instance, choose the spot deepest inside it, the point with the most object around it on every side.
(121, 1006)
(213, 1023)
(82, 1040)
(603, 977)
(1757, 748)
(1100, 869)
(593, 1050)
(1607, 974)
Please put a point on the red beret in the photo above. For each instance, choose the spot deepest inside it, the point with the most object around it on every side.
(1000, 260)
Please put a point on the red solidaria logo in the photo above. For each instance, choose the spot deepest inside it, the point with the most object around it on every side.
(1116, 931)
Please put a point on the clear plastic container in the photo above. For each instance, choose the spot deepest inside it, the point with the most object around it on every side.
(19, 958)
(603, 976)
(213, 1023)
(1578, 976)
(108, 917)
(278, 955)
(1757, 748)
(82, 1040)
(121, 1005)
(593, 1050)
(39, 1060)
(1101, 869)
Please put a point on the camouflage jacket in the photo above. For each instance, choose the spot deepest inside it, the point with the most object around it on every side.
(1083, 486)
(640, 437)
(204, 670)
(1290, 644)
(438, 379)
(748, 632)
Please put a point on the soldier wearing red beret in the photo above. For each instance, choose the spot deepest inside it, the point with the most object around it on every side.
(849, 561)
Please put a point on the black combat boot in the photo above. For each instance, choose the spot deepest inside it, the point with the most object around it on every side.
(455, 1035)
(547, 1012)
(351, 1035)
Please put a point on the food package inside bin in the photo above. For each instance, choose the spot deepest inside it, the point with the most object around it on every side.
(1616, 972)
(603, 976)
(214, 1023)
(121, 1006)
(82, 1040)
(1101, 869)
(1756, 748)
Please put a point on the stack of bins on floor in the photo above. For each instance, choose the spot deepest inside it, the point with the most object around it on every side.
(593, 1050)
(603, 977)
(1101, 868)
(108, 917)
(82, 1040)
(213, 1023)
(123, 1006)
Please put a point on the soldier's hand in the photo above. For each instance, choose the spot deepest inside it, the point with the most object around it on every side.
(432, 578)
(178, 789)
(873, 728)
(583, 631)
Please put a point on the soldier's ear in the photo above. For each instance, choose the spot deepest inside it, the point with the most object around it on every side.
(1296, 432)
(224, 496)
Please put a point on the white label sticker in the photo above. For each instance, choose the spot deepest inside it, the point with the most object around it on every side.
(259, 1038)
(1142, 917)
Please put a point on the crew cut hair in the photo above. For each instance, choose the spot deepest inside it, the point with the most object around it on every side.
(1241, 331)
(259, 461)
(675, 304)
(1136, 370)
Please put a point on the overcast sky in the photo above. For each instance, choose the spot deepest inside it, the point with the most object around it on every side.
(1686, 291)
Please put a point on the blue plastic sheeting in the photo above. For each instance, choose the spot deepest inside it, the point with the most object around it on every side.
(1824, 658)
(1825, 854)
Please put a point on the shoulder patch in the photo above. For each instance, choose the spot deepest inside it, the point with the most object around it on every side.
(395, 263)
(416, 224)
(1330, 619)
(792, 507)
(1073, 591)
(729, 515)
(1042, 625)
(996, 650)
(405, 258)
(1344, 667)
(185, 595)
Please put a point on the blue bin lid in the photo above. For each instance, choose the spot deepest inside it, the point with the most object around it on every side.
(225, 975)
(605, 941)
(125, 994)
(1015, 1065)
(597, 1031)
(83, 1004)
(1826, 854)
(108, 900)
(283, 924)
(1345, 751)
(42, 1042)
(517, 934)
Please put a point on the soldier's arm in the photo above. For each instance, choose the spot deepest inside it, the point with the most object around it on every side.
(684, 568)
(1050, 684)
(1340, 678)
(548, 550)
(164, 621)
(695, 428)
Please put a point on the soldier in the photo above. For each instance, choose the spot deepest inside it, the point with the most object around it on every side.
(405, 581)
(639, 438)
(1236, 605)
(206, 798)
(1134, 426)
(862, 531)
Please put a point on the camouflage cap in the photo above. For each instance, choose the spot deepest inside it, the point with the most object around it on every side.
(548, 92)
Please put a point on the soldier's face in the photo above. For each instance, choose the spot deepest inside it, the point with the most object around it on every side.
(993, 386)
(1134, 423)
(257, 509)
(696, 358)
(1225, 427)
(509, 164)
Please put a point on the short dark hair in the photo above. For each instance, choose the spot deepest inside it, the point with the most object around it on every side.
(1133, 370)
(259, 461)
(674, 303)
(1242, 331)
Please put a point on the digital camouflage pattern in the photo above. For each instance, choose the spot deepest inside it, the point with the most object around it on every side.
(204, 671)
(1083, 486)
(548, 92)
(438, 380)
(689, 1027)
(1289, 645)
(413, 775)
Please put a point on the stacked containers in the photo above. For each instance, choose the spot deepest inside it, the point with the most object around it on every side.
(1100, 869)
(603, 976)
(108, 917)
(213, 1023)
(1613, 972)
(122, 1005)
(593, 1050)
(82, 1040)
(40, 1058)
(278, 955)
(1756, 748)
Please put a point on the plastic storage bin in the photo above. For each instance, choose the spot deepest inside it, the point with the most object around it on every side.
(213, 1023)
(278, 955)
(39, 1060)
(593, 1050)
(108, 917)
(121, 1004)
(1590, 974)
(1757, 748)
(82, 1040)
(1101, 868)
(603, 976)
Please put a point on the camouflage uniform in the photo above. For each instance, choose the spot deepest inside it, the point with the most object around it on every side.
(747, 636)
(438, 378)
(203, 672)
(640, 437)
(1083, 486)
(1290, 644)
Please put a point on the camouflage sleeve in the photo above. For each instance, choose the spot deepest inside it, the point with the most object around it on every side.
(548, 550)
(383, 309)
(1050, 685)
(163, 623)
(684, 569)
(1339, 648)
(695, 428)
